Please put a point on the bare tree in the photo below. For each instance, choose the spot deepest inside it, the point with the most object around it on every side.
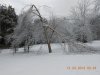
(96, 7)
(95, 20)
(80, 16)
(53, 22)
(42, 21)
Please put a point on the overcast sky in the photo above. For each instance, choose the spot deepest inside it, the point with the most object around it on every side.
(59, 7)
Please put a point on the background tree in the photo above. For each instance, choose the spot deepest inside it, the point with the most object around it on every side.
(95, 20)
(97, 7)
(53, 22)
(8, 20)
(80, 16)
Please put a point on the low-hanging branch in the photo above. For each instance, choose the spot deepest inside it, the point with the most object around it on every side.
(71, 41)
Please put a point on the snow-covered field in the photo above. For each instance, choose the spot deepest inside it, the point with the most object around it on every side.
(56, 63)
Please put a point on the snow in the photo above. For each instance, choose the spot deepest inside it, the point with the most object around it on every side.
(47, 64)
(95, 44)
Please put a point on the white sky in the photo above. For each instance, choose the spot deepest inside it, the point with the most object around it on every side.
(59, 7)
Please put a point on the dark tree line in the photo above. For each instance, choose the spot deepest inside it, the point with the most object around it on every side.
(8, 20)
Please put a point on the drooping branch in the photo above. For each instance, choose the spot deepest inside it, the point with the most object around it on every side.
(81, 47)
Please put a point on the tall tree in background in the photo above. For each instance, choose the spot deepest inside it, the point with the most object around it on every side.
(8, 20)
(53, 22)
(95, 20)
(97, 7)
(80, 16)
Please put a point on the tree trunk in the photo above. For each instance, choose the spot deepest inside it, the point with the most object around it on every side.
(24, 49)
(28, 48)
(15, 50)
(48, 40)
(49, 47)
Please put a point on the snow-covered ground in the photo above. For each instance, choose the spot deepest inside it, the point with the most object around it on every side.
(56, 63)
(95, 44)
(49, 64)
